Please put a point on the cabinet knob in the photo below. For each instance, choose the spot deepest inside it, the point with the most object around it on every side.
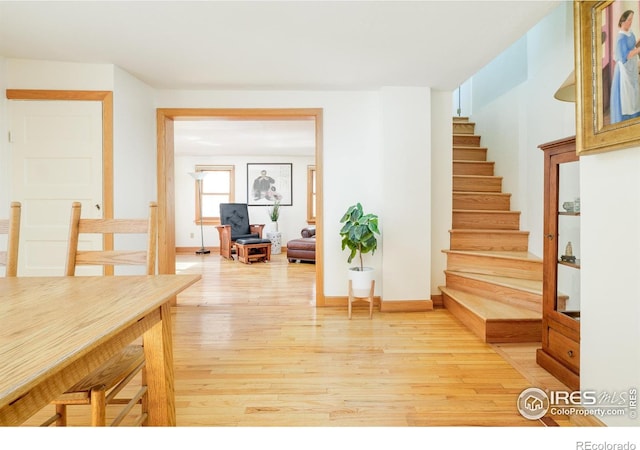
(570, 353)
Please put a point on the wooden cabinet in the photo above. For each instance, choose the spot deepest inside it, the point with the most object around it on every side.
(560, 352)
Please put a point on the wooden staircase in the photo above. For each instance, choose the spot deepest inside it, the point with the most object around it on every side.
(493, 284)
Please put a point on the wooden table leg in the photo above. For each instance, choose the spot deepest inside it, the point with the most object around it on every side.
(159, 375)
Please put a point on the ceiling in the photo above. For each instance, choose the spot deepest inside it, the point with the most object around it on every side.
(310, 45)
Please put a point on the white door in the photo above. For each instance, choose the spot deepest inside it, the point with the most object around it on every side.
(56, 157)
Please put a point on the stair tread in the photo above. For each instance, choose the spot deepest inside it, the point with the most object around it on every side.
(466, 161)
(532, 286)
(528, 256)
(490, 309)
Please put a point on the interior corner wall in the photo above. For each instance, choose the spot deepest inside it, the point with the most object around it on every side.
(134, 149)
(441, 184)
(5, 162)
(406, 155)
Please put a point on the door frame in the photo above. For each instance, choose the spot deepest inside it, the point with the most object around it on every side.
(165, 118)
(106, 99)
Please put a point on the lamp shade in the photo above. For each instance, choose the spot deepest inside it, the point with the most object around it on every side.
(567, 91)
(198, 175)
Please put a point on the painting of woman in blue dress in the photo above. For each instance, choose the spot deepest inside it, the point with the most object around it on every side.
(625, 86)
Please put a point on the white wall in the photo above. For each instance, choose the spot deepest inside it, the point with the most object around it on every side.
(134, 147)
(5, 161)
(513, 126)
(292, 218)
(441, 185)
(610, 273)
(406, 210)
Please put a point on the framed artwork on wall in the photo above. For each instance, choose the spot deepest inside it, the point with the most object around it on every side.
(268, 183)
(607, 55)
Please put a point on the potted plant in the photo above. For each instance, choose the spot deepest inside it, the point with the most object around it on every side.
(359, 236)
(274, 213)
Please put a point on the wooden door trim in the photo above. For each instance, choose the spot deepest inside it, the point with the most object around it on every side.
(165, 118)
(106, 98)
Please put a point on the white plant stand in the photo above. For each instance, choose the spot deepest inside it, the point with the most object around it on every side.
(276, 241)
(358, 296)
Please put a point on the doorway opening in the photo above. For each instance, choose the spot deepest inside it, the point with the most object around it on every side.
(166, 119)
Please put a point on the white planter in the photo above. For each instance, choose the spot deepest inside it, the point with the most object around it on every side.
(276, 242)
(361, 281)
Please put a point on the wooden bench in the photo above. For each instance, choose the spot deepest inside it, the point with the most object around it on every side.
(250, 250)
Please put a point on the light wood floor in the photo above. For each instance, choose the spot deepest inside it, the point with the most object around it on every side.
(251, 349)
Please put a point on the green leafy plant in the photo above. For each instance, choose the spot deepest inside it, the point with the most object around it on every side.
(359, 233)
(274, 211)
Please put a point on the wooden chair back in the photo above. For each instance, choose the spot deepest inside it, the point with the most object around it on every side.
(105, 227)
(11, 227)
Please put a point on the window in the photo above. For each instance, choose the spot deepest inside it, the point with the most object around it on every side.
(311, 194)
(217, 187)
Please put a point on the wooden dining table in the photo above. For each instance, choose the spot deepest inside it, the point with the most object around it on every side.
(56, 330)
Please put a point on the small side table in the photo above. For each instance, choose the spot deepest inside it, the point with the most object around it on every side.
(276, 241)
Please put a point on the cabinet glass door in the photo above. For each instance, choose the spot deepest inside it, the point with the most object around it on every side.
(568, 240)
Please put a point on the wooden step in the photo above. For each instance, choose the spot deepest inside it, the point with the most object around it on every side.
(522, 265)
(473, 168)
(477, 183)
(494, 240)
(467, 153)
(464, 127)
(460, 119)
(496, 201)
(466, 139)
(492, 321)
(486, 220)
(513, 291)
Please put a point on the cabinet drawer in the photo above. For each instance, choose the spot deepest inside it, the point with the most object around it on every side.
(565, 349)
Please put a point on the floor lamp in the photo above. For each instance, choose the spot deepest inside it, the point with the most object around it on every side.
(199, 176)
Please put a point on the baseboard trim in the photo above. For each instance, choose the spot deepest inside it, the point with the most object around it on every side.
(438, 300)
(187, 250)
(343, 301)
(406, 306)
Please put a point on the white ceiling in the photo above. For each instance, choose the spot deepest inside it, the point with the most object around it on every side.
(245, 137)
(272, 44)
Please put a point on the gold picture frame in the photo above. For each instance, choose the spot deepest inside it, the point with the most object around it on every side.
(599, 126)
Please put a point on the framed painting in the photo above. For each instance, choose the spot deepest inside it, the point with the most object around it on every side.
(607, 81)
(268, 183)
